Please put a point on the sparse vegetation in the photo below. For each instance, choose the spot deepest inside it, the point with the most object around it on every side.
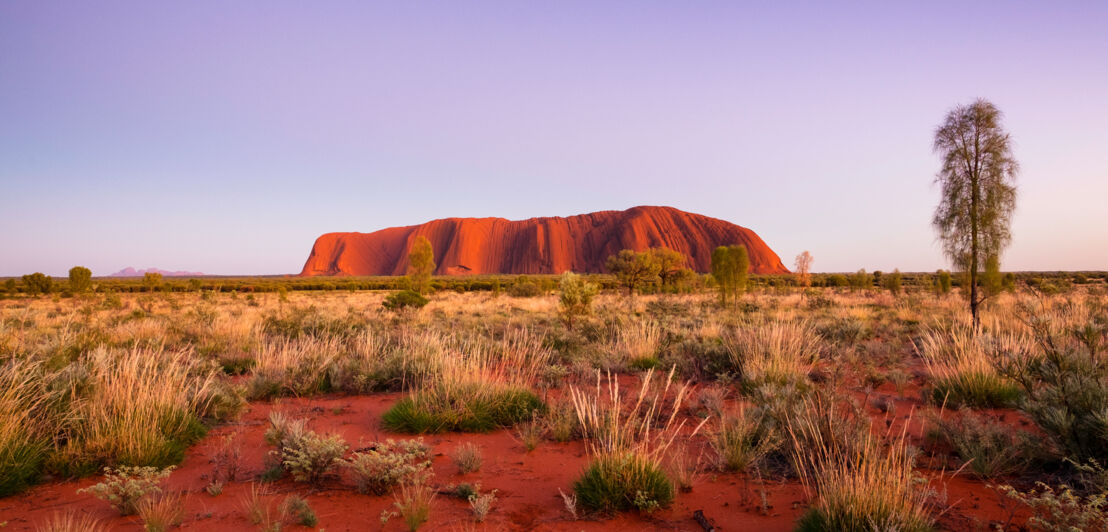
(780, 377)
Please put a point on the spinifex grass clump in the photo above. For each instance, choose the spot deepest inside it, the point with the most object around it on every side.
(744, 438)
(23, 433)
(989, 448)
(140, 408)
(862, 486)
(629, 443)
(962, 373)
(780, 353)
(476, 389)
(634, 345)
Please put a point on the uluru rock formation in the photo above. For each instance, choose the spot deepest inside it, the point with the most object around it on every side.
(579, 243)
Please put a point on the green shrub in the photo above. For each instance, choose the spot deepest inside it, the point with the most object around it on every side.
(1064, 377)
(123, 488)
(989, 448)
(524, 287)
(405, 299)
(575, 299)
(623, 482)
(975, 389)
(384, 465)
(37, 283)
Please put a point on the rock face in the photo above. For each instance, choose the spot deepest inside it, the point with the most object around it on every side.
(539, 245)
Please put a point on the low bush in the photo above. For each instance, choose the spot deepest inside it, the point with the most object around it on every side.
(307, 456)
(123, 488)
(1062, 510)
(1064, 374)
(298, 508)
(384, 465)
(405, 299)
(481, 504)
(467, 457)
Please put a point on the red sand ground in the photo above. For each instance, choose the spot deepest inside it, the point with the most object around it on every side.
(539, 245)
(527, 483)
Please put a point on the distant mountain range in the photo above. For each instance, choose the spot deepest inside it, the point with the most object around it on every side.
(579, 243)
(131, 272)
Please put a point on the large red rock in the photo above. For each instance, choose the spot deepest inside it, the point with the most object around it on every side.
(539, 245)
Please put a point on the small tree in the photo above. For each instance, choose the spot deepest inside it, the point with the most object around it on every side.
(944, 281)
(804, 268)
(80, 279)
(421, 264)
(151, 281)
(9, 286)
(978, 192)
(576, 297)
(670, 263)
(632, 269)
(37, 283)
(892, 282)
(730, 265)
(860, 280)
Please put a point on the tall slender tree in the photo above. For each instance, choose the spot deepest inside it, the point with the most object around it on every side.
(977, 179)
(804, 268)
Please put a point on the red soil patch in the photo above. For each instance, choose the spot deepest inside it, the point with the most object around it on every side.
(527, 484)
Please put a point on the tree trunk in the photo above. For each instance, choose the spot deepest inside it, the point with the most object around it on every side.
(975, 205)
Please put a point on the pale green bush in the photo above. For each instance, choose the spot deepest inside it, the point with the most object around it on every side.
(386, 464)
(123, 488)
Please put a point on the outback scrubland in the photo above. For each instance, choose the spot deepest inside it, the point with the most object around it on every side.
(786, 408)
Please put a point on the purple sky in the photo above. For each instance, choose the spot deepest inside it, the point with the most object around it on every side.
(225, 137)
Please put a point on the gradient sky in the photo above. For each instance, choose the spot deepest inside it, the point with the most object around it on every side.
(224, 137)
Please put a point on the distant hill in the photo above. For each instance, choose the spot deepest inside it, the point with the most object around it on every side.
(131, 272)
(579, 243)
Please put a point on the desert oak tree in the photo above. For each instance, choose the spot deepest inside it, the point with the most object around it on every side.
(730, 265)
(633, 269)
(978, 192)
